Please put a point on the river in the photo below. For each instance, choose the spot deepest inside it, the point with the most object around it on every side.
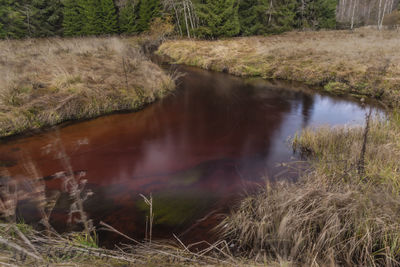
(216, 139)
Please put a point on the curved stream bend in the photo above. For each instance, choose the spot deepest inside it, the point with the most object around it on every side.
(215, 139)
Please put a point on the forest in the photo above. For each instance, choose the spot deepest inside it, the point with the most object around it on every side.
(192, 18)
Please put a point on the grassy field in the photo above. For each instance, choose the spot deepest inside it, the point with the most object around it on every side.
(47, 81)
(363, 63)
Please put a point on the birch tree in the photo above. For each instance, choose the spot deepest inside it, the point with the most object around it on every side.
(185, 14)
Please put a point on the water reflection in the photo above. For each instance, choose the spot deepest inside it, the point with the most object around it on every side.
(196, 151)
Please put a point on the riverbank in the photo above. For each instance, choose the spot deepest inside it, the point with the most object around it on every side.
(363, 63)
(344, 212)
(49, 81)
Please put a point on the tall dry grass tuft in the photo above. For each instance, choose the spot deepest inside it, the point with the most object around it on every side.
(335, 152)
(335, 214)
(362, 63)
(46, 81)
(316, 224)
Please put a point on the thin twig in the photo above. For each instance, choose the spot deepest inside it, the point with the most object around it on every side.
(361, 162)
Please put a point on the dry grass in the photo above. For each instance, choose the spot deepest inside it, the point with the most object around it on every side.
(365, 62)
(336, 153)
(40, 249)
(334, 215)
(47, 81)
(313, 224)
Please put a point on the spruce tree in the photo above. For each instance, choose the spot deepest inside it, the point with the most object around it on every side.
(3, 15)
(12, 20)
(253, 17)
(109, 17)
(73, 18)
(45, 17)
(219, 18)
(128, 17)
(148, 10)
(283, 16)
(321, 13)
(92, 20)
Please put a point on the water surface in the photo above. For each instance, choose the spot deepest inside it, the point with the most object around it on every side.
(216, 139)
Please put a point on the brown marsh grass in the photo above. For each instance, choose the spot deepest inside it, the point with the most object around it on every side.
(47, 81)
(335, 215)
(364, 62)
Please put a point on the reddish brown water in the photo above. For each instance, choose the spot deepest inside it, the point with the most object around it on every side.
(197, 151)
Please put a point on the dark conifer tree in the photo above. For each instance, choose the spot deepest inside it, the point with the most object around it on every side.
(148, 10)
(282, 16)
(320, 14)
(12, 24)
(45, 17)
(109, 17)
(218, 18)
(128, 16)
(253, 17)
(92, 21)
(73, 18)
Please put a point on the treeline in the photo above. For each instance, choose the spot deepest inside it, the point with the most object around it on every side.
(352, 13)
(192, 18)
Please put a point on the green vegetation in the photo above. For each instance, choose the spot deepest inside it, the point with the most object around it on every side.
(46, 82)
(220, 18)
(201, 18)
(90, 17)
(128, 16)
(148, 10)
(73, 18)
(30, 18)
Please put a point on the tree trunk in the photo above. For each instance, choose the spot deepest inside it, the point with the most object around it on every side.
(352, 16)
(383, 14)
(379, 13)
(177, 19)
(190, 16)
(186, 20)
(270, 12)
